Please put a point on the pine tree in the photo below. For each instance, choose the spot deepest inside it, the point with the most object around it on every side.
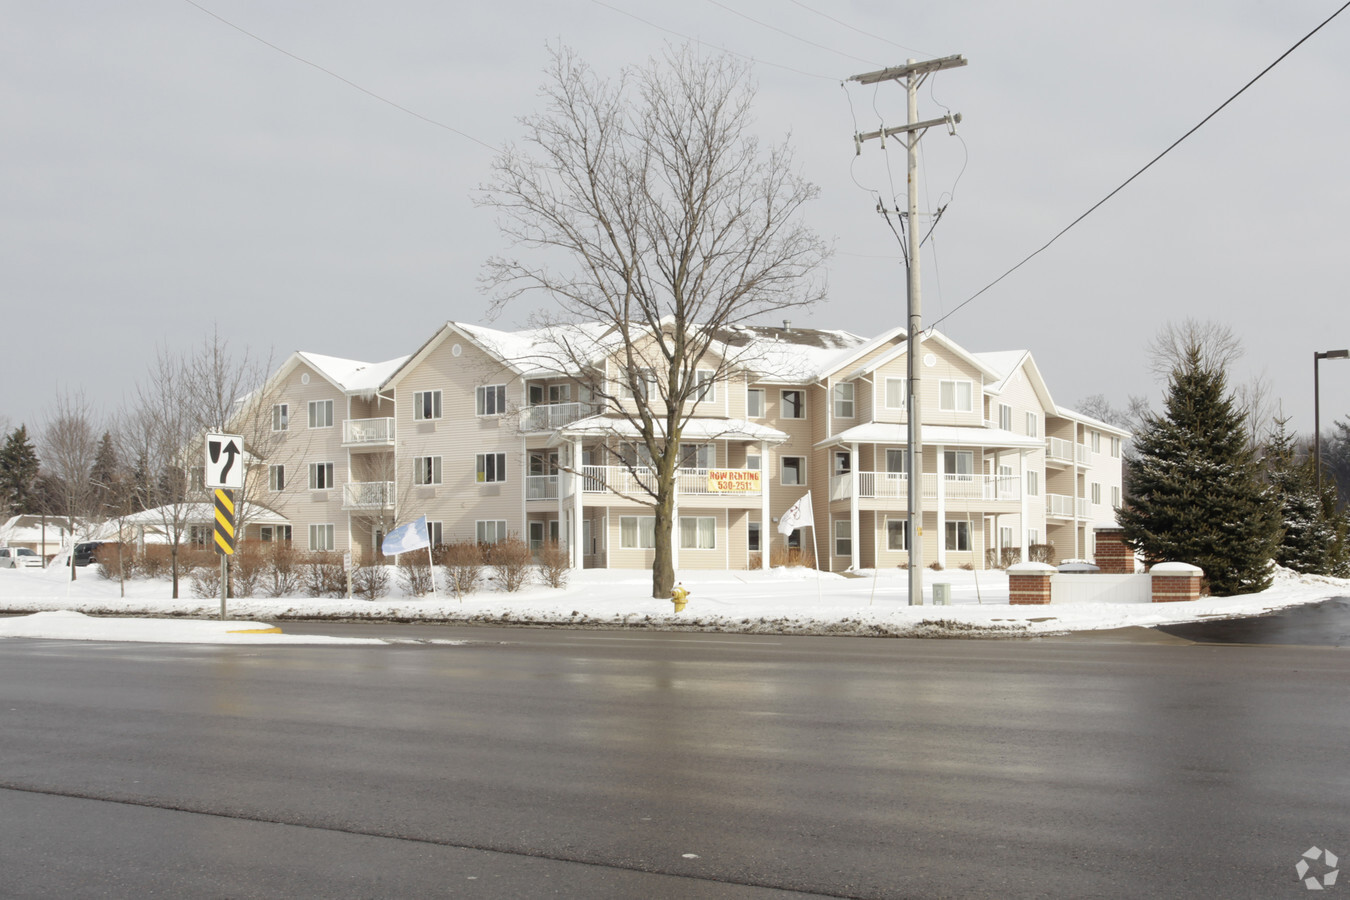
(19, 473)
(1198, 496)
(106, 474)
(1314, 535)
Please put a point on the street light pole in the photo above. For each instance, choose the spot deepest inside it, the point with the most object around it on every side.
(1317, 411)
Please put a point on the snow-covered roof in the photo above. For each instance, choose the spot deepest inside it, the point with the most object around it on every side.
(1003, 363)
(697, 429)
(1065, 412)
(28, 529)
(790, 355)
(352, 376)
(931, 435)
(192, 514)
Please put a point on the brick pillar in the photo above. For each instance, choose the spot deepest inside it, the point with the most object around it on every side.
(1029, 583)
(1173, 581)
(1113, 555)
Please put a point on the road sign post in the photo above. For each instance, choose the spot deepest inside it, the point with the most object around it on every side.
(224, 538)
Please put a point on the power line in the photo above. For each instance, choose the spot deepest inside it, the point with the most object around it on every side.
(859, 30)
(811, 43)
(346, 81)
(1148, 166)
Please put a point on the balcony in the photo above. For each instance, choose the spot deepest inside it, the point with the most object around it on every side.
(368, 433)
(688, 481)
(549, 416)
(1062, 506)
(541, 487)
(1058, 450)
(368, 495)
(895, 486)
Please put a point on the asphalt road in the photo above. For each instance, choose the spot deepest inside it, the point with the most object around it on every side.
(619, 764)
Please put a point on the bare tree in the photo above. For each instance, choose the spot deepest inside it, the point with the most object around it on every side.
(1169, 350)
(68, 447)
(656, 214)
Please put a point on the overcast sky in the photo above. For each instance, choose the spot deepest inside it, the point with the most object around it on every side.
(162, 172)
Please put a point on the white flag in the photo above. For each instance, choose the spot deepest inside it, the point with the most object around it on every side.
(412, 536)
(799, 515)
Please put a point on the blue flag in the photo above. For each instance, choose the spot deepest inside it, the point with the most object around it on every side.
(412, 536)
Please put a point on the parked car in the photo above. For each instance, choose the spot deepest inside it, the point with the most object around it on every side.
(19, 558)
(87, 552)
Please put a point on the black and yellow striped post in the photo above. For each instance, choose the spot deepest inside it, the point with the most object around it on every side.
(224, 539)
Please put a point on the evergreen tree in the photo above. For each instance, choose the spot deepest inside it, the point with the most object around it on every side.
(1198, 496)
(1314, 534)
(19, 473)
(1336, 460)
(106, 474)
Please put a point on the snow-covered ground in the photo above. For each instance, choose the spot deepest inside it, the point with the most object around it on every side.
(782, 601)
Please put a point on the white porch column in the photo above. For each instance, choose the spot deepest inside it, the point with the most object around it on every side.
(855, 542)
(574, 531)
(1026, 513)
(941, 463)
(765, 527)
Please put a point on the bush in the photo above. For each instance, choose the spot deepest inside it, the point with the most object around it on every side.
(205, 581)
(322, 574)
(282, 577)
(154, 560)
(554, 564)
(463, 564)
(111, 555)
(935, 566)
(1041, 553)
(512, 560)
(790, 556)
(247, 569)
(415, 575)
(371, 582)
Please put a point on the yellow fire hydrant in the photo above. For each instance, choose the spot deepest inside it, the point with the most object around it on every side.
(679, 596)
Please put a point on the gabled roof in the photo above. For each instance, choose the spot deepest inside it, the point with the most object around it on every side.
(530, 353)
(1007, 362)
(790, 355)
(350, 376)
(902, 349)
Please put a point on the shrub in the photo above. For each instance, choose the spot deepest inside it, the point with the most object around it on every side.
(554, 564)
(371, 582)
(282, 577)
(512, 560)
(322, 574)
(111, 555)
(154, 560)
(205, 581)
(935, 566)
(415, 575)
(1041, 553)
(463, 563)
(247, 569)
(790, 556)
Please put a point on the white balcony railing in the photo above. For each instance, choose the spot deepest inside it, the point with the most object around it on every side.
(1059, 450)
(1084, 453)
(368, 495)
(368, 431)
(895, 486)
(541, 487)
(1065, 507)
(549, 416)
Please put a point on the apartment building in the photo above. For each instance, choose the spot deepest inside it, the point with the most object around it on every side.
(486, 434)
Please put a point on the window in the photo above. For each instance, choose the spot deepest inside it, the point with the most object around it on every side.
(489, 531)
(1033, 484)
(281, 417)
(1033, 425)
(794, 405)
(897, 534)
(1115, 497)
(1096, 442)
(954, 396)
(321, 414)
(490, 467)
(1115, 448)
(843, 462)
(697, 532)
(897, 396)
(426, 405)
(198, 535)
(637, 532)
(958, 535)
(706, 388)
(1096, 494)
(793, 470)
(698, 456)
(427, 470)
(1005, 417)
(843, 537)
(490, 399)
(754, 403)
(1005, 537)
(794, 540)
(321, 537)
(843, 401)
(959, 465)
(897, 461)
(544, 463)
(270, 533)
(753, 461)
(1033, 537)
(559, 393)
(276, 478)
(752, 538)
(320, 476)
(435, 532)
(640, 386)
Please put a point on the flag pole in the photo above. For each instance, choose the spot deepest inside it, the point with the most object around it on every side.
(431, 567)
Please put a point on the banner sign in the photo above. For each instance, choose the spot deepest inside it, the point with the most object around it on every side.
(733, 481)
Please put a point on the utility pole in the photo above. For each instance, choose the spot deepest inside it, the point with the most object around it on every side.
(913, 73)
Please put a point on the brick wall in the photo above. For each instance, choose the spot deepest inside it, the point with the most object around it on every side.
(1113, 556)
